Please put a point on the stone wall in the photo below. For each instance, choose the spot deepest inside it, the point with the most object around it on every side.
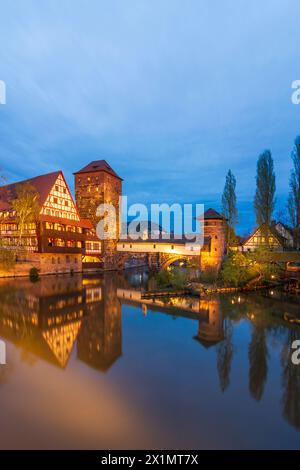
(46, 264)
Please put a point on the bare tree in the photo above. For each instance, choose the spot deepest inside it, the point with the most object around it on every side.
(294, 196)
(26, 206)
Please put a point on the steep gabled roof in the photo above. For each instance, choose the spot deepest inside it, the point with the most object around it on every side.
(43, 185)
(286, 227)
(98, 165)
(212, 214)
(267, 228)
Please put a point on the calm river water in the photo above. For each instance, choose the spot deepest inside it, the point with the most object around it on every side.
(90, 364)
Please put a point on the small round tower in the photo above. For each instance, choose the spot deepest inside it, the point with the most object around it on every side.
(214, 240)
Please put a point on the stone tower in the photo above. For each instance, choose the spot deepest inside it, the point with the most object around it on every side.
(215, 235)
(96, 184)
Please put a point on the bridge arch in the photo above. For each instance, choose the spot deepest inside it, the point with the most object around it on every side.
(168, 261)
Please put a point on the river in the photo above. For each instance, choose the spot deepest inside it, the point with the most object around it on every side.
(91, 364)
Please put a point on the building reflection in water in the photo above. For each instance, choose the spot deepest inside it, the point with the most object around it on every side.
(100, 338)
(49, 317)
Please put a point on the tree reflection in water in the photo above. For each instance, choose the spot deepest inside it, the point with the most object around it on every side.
(225, 355)
(290, 381)
(47, 319)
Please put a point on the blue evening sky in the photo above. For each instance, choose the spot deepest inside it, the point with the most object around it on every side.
(171, 93)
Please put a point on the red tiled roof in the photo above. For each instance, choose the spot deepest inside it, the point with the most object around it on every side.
(98, 165)
(43, 185)
(84, 223)
(212, 214)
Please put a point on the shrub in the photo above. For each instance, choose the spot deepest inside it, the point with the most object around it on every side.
(34, 274)
(172, 277)
(209, 275)
(236, 269)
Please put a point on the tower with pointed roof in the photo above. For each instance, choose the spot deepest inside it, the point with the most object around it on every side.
(97, 183)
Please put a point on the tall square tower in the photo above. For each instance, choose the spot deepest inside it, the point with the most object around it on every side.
(97, 183)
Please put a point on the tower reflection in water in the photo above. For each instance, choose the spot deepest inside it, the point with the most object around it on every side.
(47, 319)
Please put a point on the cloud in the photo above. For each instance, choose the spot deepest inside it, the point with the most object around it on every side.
(171, 93)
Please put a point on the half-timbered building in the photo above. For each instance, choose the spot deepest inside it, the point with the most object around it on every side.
(59, 238)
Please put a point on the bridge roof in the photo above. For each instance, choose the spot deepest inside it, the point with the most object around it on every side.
(168, 241)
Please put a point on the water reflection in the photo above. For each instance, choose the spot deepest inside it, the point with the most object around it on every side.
(53, 317)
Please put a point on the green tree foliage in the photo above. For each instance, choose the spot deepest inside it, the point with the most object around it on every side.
(229, 208)
(261, 262)
(26, 206)
(241, 268)
(294, 195)
(34, 274)
(173, 277)
(264, 201)
(236, 269)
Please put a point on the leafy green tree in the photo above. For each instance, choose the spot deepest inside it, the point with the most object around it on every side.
(261, 262)
(264, 201)
(236, 269)
(248, 268)
(229, 208)
(294, 195)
